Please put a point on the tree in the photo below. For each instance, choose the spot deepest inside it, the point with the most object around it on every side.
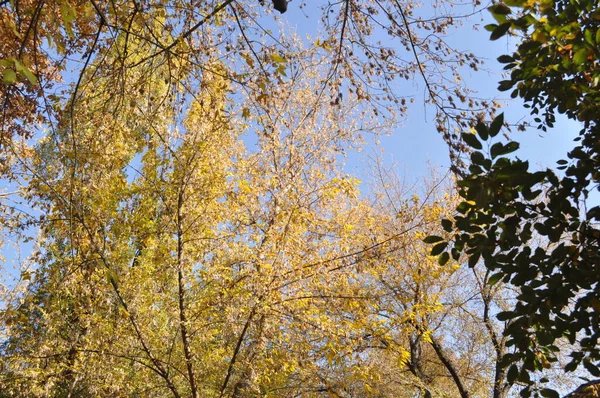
(176, 258)
(507, 207)
(175, 261)
(453, 345)
(42, 35)
(55, 51)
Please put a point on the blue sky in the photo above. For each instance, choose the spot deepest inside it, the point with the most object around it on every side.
(415, 146)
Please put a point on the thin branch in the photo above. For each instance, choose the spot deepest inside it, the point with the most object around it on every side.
(187, 33)
(236, 352)
(237, 20)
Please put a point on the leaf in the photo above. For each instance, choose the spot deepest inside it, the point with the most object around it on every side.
(482, 130)
(511, 375)
(9, 76)
(19, 67)
(500, 18)
(539, 36)
(593, 369)
(249, 60)
(495, 278)
(496, 125)
(471, 140)
(30, 76)
(500, 31)
(505, 59)
(439, 248)
(572, 365)
(433, 239)
(505, 85)
(500, 8)
(515, 3)
(281, 70)
(277, 58)
(499, 149)
(496, 149)
(474, 259)
(67, 12)
(443, 259)
(447, 225)
(505, 316)
(549, 393)
(477, 158)
(589, 38)
(581, 56)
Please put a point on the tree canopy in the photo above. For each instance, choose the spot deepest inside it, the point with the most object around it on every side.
(173, 183)
(538, 230)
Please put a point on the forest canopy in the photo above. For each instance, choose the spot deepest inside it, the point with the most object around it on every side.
(177, 219)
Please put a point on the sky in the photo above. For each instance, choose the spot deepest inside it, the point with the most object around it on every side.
(415, 146)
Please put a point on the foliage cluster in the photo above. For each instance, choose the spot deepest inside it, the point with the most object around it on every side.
(538, 230)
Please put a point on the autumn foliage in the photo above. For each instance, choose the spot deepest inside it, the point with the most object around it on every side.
(178, 222)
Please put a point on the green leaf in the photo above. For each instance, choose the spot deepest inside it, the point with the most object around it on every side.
(30, 76)
(9, 76)
(589, 38)
(593, 369)
(482, 130)
(495, 278)
(580, 56)
(447, 225)
(67, 12)
(19, 67)
(474, 259)
(281, 70)
(505, 59)
(515, 3)
(505, 85)
(471, 140)
(433, 239)
(500, 8)
(443, 259)
(491, 27)
(512, 374)
(439, 248)
(455, 253)
(496, 149)
(549, 393)
(504, 316)
(477, 157)
(511, 147)
(572, 365)
(500, 18)
(499, 149)
(500, 31)
(496, 125)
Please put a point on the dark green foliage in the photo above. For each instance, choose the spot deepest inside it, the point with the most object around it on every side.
(545, 245)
